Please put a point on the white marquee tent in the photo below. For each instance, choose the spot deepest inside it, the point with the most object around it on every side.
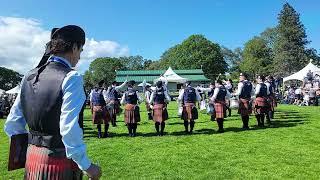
(171, 76)
(303, 72)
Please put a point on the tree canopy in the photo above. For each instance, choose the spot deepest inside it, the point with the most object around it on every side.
(196, 52)
(9, 78)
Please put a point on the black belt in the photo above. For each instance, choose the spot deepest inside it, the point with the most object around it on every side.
(45, 140)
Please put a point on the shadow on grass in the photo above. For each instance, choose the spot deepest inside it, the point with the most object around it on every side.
(283, 119)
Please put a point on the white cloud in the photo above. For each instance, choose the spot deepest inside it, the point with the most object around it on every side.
(22, 43)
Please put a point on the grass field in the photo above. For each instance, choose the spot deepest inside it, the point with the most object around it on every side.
(290, 148)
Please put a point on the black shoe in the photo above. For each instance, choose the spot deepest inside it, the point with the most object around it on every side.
(99, 135)
(105, 135)
(221, 131)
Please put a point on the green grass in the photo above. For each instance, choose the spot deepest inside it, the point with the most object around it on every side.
(288, 149)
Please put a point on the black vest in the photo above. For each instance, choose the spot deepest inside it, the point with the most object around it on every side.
(263, 90)
(221, 94)
(41, 104)
(189, 95)
(97, 97)
(159, 96)
(113, 94)
(246, 90)
(131, 97)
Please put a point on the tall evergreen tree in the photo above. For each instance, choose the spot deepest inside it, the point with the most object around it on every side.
(290, 45)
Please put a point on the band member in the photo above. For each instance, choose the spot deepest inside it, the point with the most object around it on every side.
(245, 90)
(219, 100)
(49, 102)
(159, 99)
(261, 102)
(210, 92)
(229, 87)
(147, 96)
(112, 96)
(132, 113)
(100, 115)
(271, 97)
(189, 96)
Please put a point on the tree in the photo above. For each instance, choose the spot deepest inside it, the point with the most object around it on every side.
(290, 45)
(256, 57)
(312, 54)
(102, 69)
(194, 53)
(132, 62)
(9, 78)
(233, 59)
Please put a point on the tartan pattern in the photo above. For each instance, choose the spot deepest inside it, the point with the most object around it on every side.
(261, 105)
(220, 109)
(189, 112)
(160, 113)
(43, 163)
(131, 114)
(245, 108)
(114, 109)
(100, 115)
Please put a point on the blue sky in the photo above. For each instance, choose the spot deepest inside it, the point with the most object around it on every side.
(149, 27)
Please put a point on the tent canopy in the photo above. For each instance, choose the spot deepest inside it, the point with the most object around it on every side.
(14, 90)
(303, 72)
(171, 76)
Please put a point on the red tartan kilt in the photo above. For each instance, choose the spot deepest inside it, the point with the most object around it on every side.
(244, 107)
(261, 105)
(43, 163)
(220, 109)
(160, 113)
(100, 115)
(131, 114)
(189, 112)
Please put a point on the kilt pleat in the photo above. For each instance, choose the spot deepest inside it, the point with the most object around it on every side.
(100, 115)
(43, 163)
(131, 114)
(245, 108)
(160, 113)
(189, 112)
(220, 109)
(261, 105)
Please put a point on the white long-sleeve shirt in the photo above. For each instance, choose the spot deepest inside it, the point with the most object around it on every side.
(166, 95)
(240, 87)
(215, 94)
(72, 101)
(258, 87)
(147, 96)
(181, 92)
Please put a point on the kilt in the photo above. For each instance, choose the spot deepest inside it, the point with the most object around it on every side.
(43, 163)
(272, 102)
(100, 115)
(114, 108)
(220, 109)
(261, 105)
(245, 107)
(131, 113)
(189, 112)
(160, 113)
